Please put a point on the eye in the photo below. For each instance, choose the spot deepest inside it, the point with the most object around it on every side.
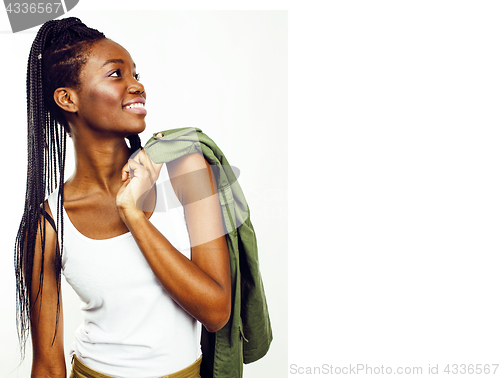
(137, 77)
(118, 73)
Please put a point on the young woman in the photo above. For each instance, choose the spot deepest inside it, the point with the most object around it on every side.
(147, 278)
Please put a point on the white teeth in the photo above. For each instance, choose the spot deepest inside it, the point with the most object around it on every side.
(135, 105)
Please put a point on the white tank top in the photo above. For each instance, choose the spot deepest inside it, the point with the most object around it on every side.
(131, 328)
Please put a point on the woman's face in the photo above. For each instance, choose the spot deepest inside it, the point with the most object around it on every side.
(110, 98)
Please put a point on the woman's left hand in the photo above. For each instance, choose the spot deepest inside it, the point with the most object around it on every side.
(138, 176)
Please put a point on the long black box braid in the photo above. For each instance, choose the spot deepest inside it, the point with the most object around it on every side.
(57, 55)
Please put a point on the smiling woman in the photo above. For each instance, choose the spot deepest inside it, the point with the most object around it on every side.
(146, 287)
(108, 86)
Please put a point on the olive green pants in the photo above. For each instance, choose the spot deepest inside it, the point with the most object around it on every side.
(79, 370)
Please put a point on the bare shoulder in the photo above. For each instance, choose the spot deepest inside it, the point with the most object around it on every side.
(47, 222)
(186, 164)
(49, 218)
(191, 178)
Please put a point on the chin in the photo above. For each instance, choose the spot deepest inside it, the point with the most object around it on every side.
(136, 129)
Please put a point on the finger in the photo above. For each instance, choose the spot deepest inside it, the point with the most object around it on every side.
(119, 194)
(134, 154)
(124, 186)
(125, 172)
(143, 159)
(135, 165)
(151, 164)
(135, 168)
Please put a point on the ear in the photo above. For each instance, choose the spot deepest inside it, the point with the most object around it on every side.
(66, 99)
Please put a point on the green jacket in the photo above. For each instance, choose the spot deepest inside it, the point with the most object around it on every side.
(247, 335)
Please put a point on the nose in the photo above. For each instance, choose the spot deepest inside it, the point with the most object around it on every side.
(136, 87)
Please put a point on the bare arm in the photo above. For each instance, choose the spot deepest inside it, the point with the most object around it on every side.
(48, 353)
(201, 285)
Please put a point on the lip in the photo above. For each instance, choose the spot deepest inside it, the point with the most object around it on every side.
(136, 110)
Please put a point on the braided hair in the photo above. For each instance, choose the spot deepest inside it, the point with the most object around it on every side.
(57, 55)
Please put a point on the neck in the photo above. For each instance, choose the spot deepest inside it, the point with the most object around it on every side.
(98, 163)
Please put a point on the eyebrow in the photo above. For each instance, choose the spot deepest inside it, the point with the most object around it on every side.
(114, 61)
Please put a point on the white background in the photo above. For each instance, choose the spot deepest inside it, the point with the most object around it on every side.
(222, 71)
(393, 156)
(394, 152)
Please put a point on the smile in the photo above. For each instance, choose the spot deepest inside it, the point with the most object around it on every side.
(135, 105)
